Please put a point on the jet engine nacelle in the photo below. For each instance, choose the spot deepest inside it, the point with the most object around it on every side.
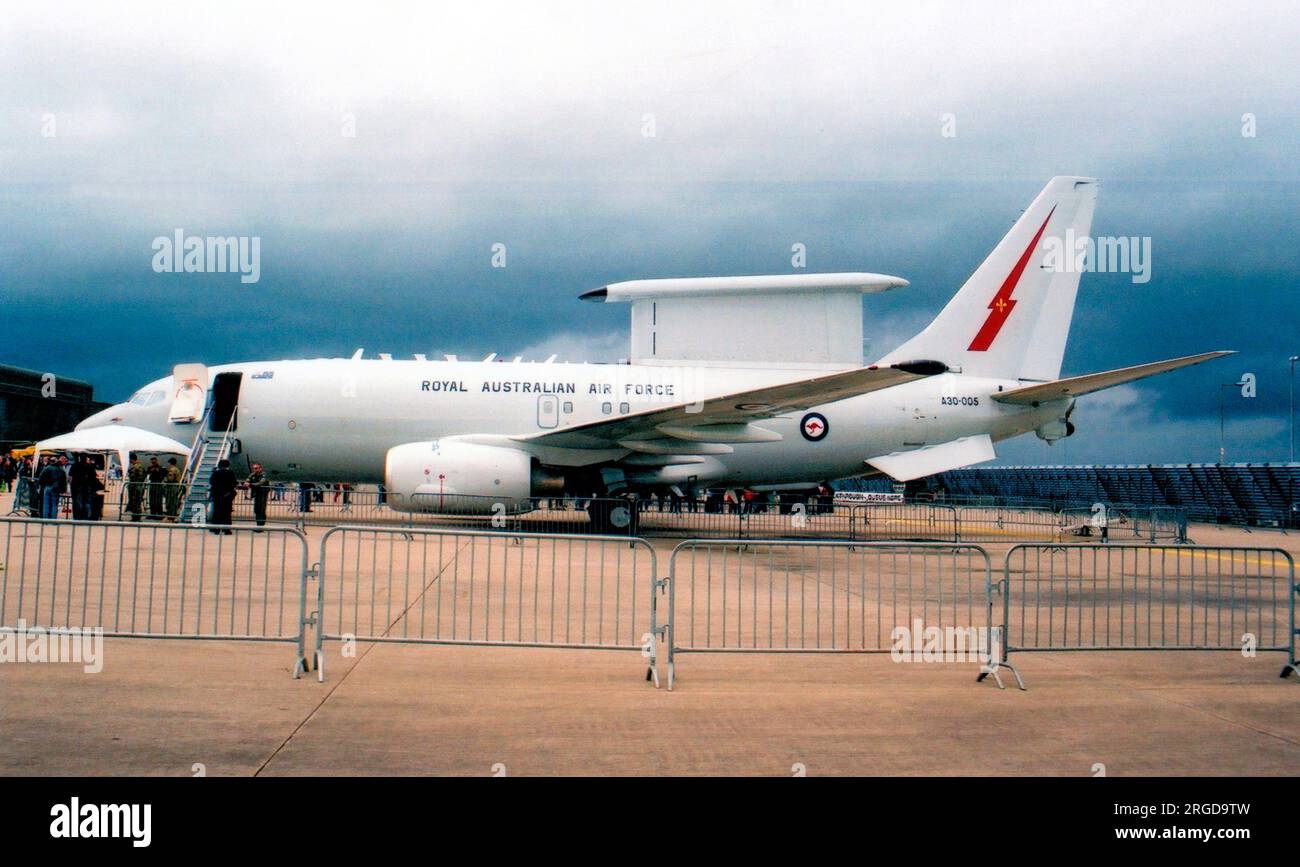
(457, 477)
(1056, 430)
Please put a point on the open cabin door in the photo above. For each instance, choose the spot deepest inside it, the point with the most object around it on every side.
(189, 393)
(225, 400)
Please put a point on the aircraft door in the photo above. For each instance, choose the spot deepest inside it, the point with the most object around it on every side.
(921, 428)
(906, 425)
(548, 411)
(189, 393)
(225, 399)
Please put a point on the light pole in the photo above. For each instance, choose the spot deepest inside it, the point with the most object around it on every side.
(1222, 440)
(1292, 360)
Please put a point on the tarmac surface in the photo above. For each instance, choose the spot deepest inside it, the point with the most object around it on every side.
(178, 707)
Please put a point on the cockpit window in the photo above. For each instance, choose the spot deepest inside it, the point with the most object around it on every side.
(147, 398)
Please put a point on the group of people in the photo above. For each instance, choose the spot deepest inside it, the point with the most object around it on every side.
(40, 487)
(12, 469)
(160, 485)
(154, 490)
(223, 485)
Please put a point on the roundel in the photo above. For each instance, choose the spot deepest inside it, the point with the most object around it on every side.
(814, 427)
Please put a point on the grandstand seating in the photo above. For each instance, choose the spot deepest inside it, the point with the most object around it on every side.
(1266, 495)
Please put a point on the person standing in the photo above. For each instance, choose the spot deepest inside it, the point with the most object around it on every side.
(23, 489)
(51, 483)
(173, 495)
(221, 490)
(259, 487)
(157, 477)
(136, 476)
(81, 479)
(97, 489)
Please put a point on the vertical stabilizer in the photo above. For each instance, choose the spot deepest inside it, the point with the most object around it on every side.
(1012, 316)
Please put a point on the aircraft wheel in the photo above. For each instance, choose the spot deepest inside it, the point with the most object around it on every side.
(616, 517)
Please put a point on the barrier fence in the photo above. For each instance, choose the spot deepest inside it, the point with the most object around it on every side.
(495, 588)
(789, 517)
(1148, 597)
(383, 584)
(827, 597)
(154, 580)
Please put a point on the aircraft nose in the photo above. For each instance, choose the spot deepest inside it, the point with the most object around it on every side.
(112, 415)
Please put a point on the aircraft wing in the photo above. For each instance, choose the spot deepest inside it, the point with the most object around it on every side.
(691, 428)
(1074, 386)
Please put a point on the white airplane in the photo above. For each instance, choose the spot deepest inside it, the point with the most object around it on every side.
(754, 381)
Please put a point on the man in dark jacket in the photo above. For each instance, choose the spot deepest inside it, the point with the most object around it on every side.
(136, 476)
(51, 482)
(157, 474)
(221, 490)
(82, 478)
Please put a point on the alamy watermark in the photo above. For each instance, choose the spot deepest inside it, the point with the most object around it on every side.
(37, 644)
(921, 643)
(74, 819)
(211, 254)
(1104, 254)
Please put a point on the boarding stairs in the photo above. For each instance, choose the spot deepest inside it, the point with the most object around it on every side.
(207, 450)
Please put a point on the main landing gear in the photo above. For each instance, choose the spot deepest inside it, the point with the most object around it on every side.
(616, 516)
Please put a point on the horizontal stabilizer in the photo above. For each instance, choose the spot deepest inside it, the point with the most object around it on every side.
(926, 461)
(1076, 385)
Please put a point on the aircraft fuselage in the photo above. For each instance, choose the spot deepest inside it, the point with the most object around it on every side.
(334, 420)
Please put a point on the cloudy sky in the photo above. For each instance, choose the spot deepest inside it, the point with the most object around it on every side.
(379, 154)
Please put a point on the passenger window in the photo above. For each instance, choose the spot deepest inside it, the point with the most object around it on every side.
(568, 406)
(624, 408)
(606, 408)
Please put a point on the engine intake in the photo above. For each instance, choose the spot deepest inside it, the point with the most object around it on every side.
(458, 478)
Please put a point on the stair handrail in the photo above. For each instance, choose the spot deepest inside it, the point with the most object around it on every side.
(201, 444)
(196, 451)
(223, 447)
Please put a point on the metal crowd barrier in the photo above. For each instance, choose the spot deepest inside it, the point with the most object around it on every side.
(748, 596)
(430, 586)
(807, 517)
(135, 580)
(1148, 597)
(913, 521)
(1002, 524)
